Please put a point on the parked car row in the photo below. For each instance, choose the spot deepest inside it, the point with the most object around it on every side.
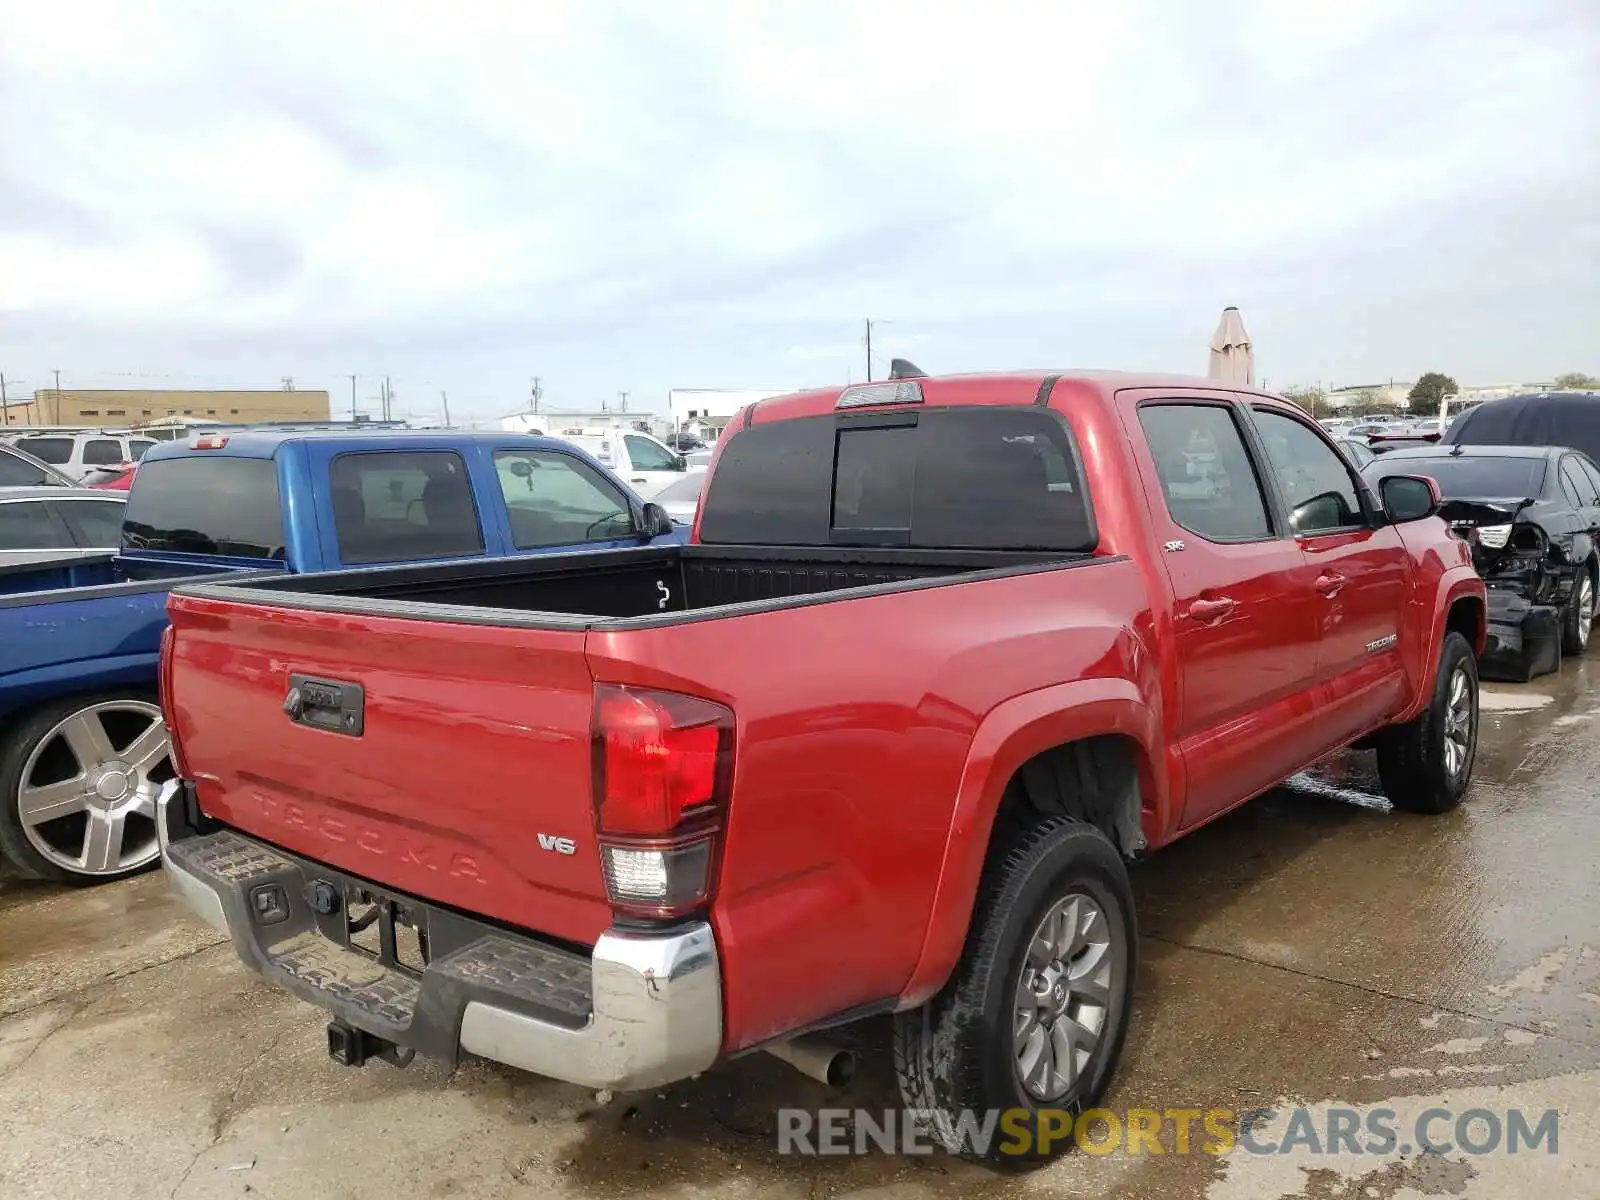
(938, 659)
(79, 455)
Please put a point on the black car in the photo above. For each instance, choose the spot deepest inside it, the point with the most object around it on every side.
(1532, 517)
(1537, 419)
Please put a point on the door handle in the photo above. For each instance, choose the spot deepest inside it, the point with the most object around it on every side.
(1330, 584)
(1212, 610)
(637, 479)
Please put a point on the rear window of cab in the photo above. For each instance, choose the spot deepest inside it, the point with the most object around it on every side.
(982, 478)
(206, 505)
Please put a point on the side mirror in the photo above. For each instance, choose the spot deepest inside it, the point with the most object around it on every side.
(680, 462)
(522, 468)
(654, 521)
(1409, 497)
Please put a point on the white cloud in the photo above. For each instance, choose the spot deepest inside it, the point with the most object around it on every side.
(642, 196)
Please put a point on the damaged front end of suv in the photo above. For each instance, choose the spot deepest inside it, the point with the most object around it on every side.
(1531, 516)
(1531, 580)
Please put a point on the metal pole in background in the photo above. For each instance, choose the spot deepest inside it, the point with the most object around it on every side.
(58, 397)
(445, 400)
(352, 398)
(869, 349)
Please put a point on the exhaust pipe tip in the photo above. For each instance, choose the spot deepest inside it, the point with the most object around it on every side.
(818, 1059)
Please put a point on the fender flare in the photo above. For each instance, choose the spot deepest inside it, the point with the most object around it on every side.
(1457, 583)
(1012, 733)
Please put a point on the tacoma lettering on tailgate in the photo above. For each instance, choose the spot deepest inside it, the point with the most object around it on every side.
(384, 843)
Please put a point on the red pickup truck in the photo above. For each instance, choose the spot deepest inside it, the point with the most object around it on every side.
(942, 656)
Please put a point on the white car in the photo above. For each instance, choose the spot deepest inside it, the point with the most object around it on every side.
(56, 524)
(681, 498)
(645, 463)
(78, 454)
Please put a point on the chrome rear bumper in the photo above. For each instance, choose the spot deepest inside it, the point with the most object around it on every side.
(641, 1011)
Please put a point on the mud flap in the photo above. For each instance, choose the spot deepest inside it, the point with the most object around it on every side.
(1524, 639)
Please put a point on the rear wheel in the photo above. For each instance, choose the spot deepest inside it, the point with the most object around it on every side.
(1035, 1016)
(1578, 619)
(1426, 764)
(78, 783)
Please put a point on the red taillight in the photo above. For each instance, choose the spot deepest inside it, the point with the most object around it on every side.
(663, 768)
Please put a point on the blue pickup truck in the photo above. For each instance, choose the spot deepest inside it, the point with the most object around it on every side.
(82, 747)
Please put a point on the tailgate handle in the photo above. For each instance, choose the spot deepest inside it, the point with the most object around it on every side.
(326, 704)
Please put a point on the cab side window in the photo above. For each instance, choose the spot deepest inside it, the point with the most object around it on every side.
(1316, 483)
(645, 455)
(391, 505)
(1206, 477)
(556, 499)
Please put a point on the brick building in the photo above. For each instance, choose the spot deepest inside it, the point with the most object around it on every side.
(124, 407)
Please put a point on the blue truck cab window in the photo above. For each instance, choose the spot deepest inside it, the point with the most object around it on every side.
(240, 517)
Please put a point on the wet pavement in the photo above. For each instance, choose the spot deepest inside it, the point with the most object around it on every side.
(1312, 949)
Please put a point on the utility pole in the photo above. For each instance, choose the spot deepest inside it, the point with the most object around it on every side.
(623, 396)
(869, 349)
(535, 394)
(352, 398)
(5, 409)
(445, 400)
(58, 397)
(388, 397)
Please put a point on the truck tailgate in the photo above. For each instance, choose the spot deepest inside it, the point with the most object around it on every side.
(469, 755)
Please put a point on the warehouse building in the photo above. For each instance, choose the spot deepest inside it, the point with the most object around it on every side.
(128, 407)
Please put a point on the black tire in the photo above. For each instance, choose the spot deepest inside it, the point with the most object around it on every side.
(1574, 637)
(1413, 761)
(18, 742)
(958, 1053)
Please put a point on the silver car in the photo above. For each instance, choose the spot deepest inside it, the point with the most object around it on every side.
(681, 497)
(41, 525)
(18, 468)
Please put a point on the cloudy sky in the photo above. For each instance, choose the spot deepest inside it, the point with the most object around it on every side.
(644, 196)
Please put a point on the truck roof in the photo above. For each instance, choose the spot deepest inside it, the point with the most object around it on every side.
(1008, 387)
(264, 443)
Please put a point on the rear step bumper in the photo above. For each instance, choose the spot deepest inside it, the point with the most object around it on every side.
(640, 1012)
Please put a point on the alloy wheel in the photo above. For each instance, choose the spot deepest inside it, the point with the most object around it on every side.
(1460, 724)
(1063, 997)
(1585, 603)
(87, 796)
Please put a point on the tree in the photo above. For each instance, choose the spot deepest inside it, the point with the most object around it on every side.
(1577, 381)
(1368, 401)
(1312, 399)
(1428, 391)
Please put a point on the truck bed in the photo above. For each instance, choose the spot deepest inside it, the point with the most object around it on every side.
(622, 589)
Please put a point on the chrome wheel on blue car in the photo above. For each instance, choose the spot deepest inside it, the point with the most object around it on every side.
(80, 780)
